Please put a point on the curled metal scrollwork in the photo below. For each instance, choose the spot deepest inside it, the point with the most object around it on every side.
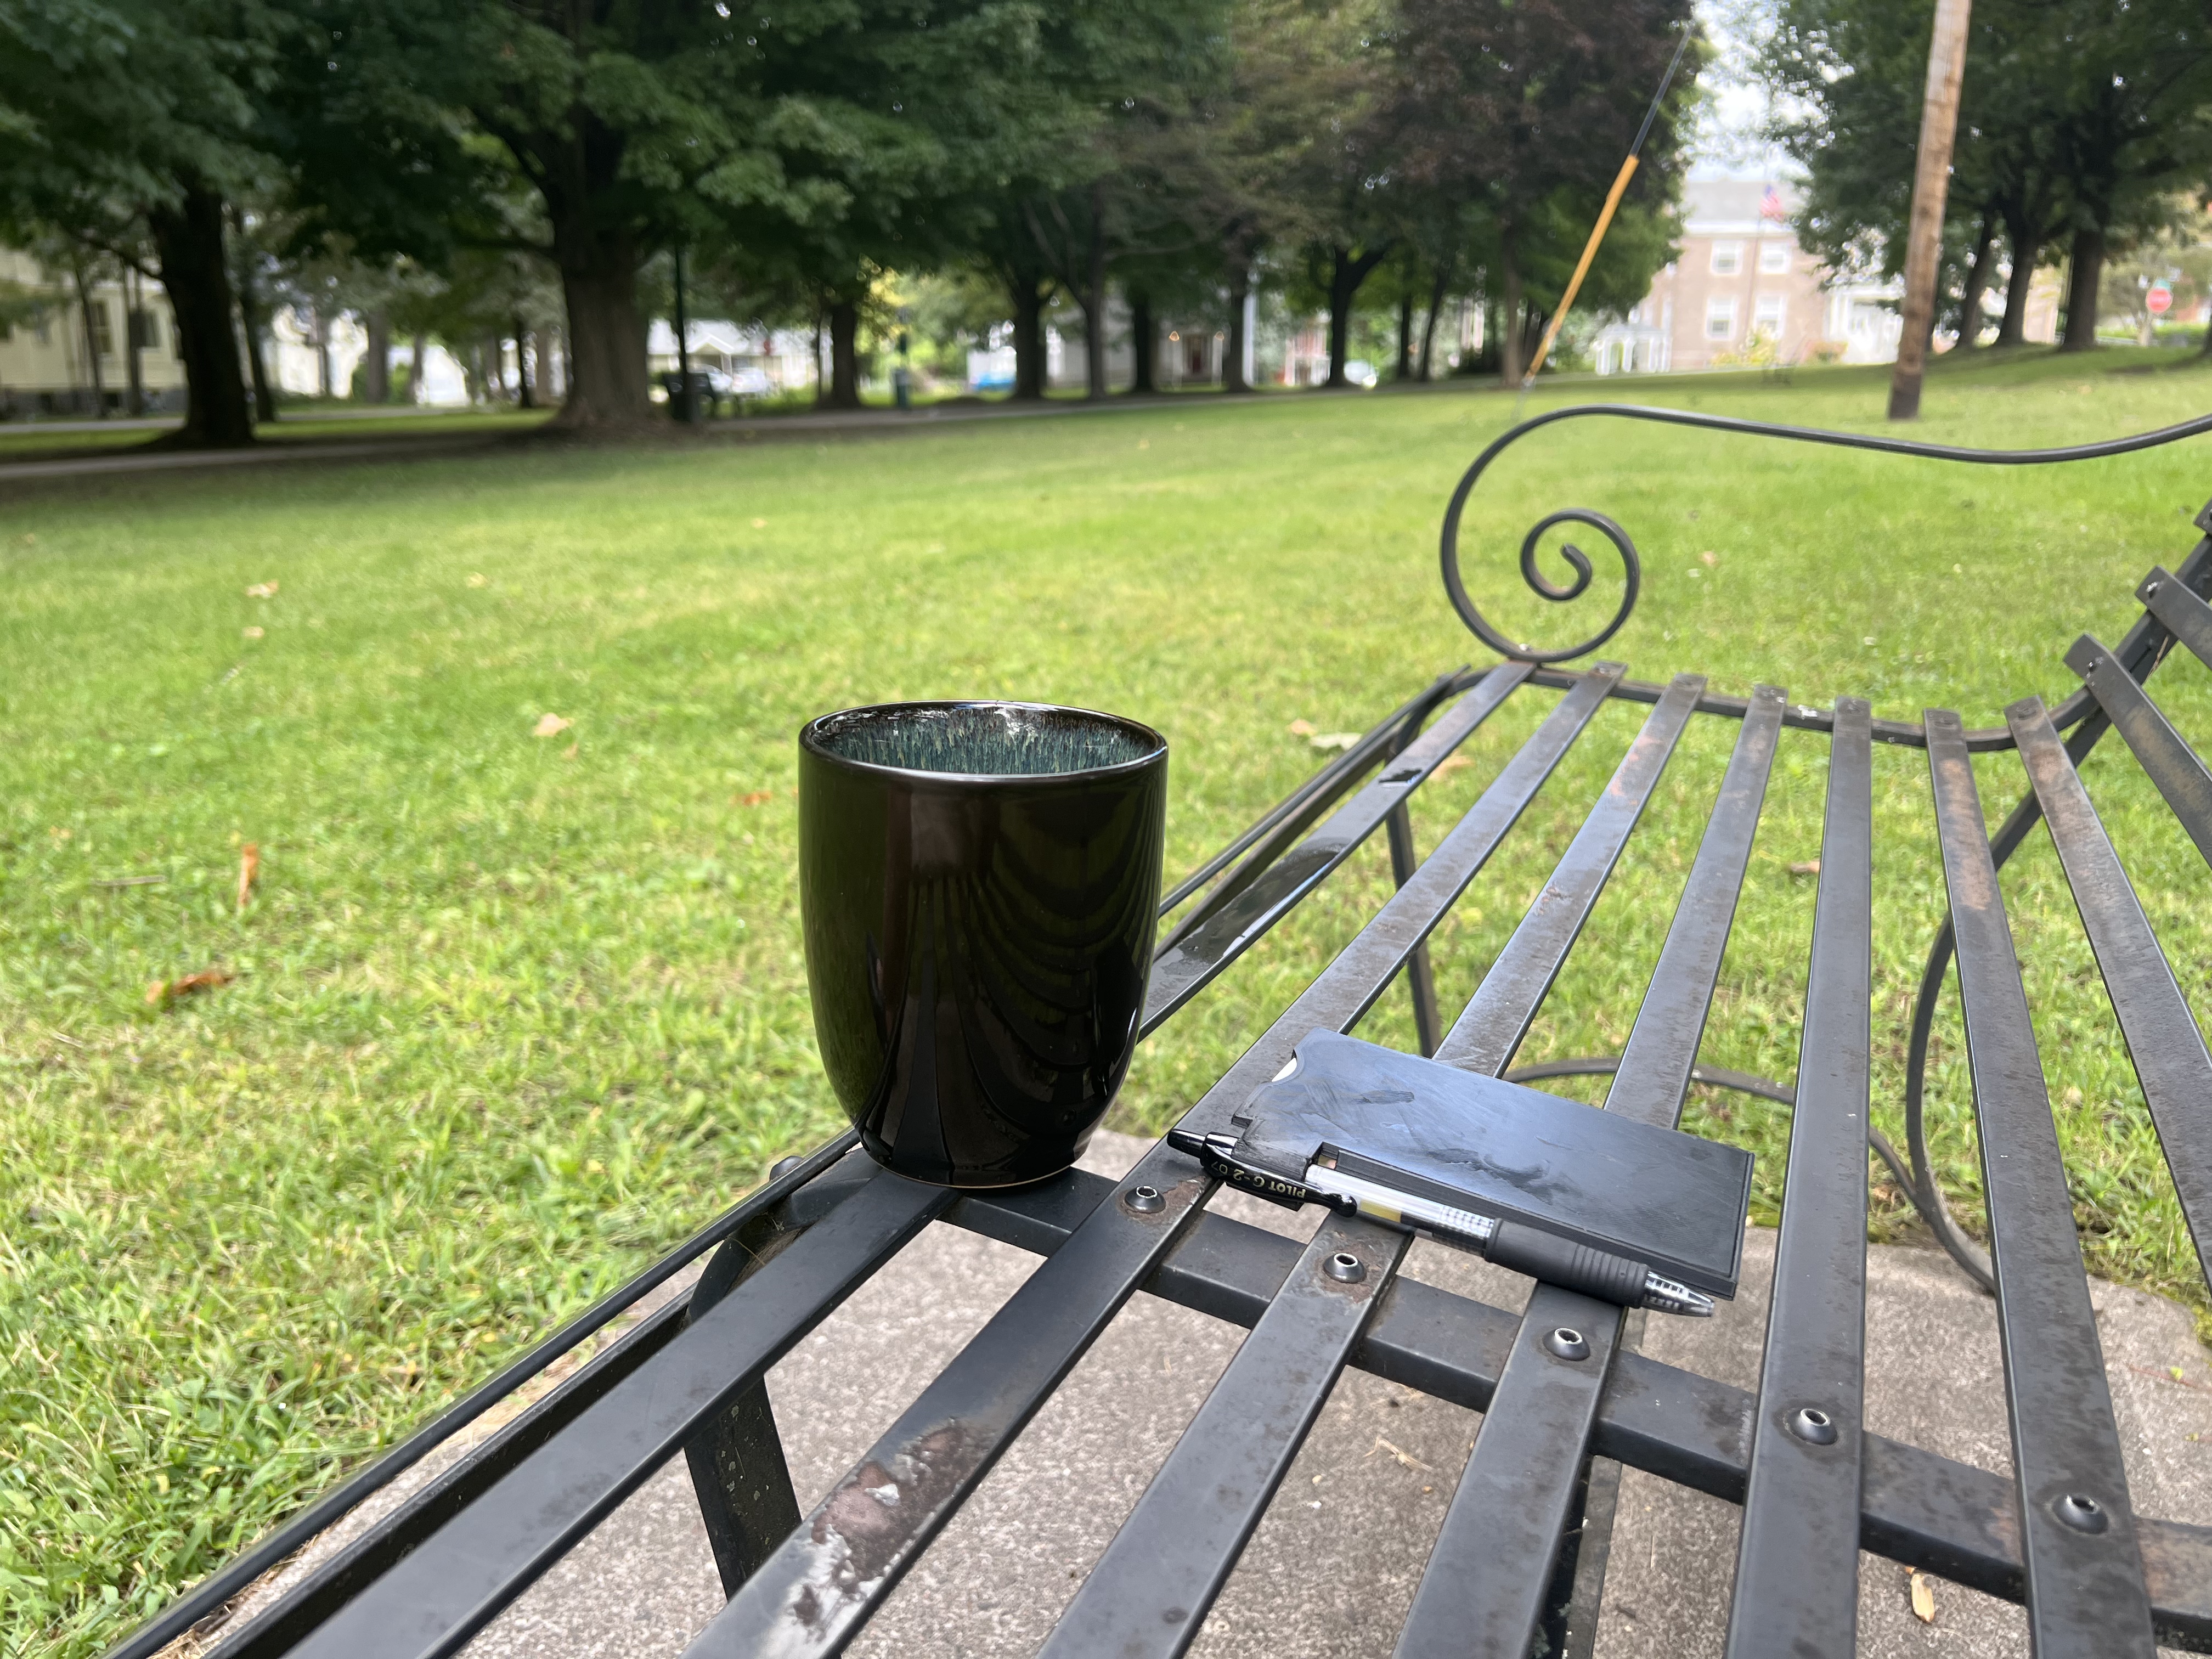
(1579, 562)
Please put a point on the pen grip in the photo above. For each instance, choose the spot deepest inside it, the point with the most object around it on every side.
(1570, 1266)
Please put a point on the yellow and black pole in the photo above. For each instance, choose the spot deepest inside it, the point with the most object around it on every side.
(1605, 216)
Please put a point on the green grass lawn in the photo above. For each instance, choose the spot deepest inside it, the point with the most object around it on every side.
(511, 1014)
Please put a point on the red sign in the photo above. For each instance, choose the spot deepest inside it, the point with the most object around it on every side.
(2159, 298)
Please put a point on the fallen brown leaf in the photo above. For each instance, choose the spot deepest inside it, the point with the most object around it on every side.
(249, 865)
(1809, 867)
(569, 753)
(1710, 558)
(477, 579)
(254, 633)
(1303, 728)
(551, 726)
(1923, 1595)
(759, 797)
(164, 990)
(262, 591)
(1451, 763)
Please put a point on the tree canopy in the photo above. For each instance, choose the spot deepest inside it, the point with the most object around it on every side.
(2078, 121)
(1179, 152)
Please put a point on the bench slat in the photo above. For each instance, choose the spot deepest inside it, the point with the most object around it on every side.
(2162, 751)
(1483, 1587)
(1267, 836)
(1484, 1036)
(1193, 959)
(1662, 1053)
(2162, 1036)
(2187, 618)
(1150, 1590)
(2085, 1589)
(1797, 1582)
(1158, 1578)
(457, 1580)
(809, 1597)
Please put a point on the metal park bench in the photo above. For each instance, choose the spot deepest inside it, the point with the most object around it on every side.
(1560, 1383)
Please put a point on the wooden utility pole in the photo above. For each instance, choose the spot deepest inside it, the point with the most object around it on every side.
(1931, 181)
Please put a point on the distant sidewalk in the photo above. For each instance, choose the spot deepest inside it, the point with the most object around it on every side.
(741, 430)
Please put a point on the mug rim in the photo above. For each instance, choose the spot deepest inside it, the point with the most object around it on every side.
(811, 740)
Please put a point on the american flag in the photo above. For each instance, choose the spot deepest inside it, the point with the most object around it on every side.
(1770, 205)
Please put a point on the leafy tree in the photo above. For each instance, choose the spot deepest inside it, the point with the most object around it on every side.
(124, 126)
(1241, 167)
(1520, 111)
(633, 126)
(1088, 178)
(2077, 119)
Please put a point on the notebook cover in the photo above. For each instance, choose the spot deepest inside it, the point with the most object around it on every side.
(1671, 1200)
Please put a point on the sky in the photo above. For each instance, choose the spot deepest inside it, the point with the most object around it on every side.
(1727, 144)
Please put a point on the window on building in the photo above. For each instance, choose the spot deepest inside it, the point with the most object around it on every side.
(145, 331)
(1728, 258)
(1767, 312)
(1720, 319)
(1774, 257)
(103, 327)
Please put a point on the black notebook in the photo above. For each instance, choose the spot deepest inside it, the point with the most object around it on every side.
(1674, 1201)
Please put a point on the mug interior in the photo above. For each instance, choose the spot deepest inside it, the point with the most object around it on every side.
(987, 740)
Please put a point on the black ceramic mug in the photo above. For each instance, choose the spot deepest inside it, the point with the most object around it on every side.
(978, 883)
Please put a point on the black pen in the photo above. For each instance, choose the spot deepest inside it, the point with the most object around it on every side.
(1524, 1249)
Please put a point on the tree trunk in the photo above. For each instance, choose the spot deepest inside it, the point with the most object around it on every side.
(1405, 324)
(607, 378)
(376, 382)
(133, 336)
(91, 340)
(323, 354)
(525, 396)
(188, 238)
(2023, 245)
(1509, 311)
(1144, 344)
(1240, 286)
(821, 379)
(1437, 286)
(1932, 183)
(253, 324)
(2083, 278)
(1345, 273)
(1029, 299)
(844, 354)
(1094, 299)
(1977, 284)
(418, 348)
(256, 363)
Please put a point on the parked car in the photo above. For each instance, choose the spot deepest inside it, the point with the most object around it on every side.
(1360, 371)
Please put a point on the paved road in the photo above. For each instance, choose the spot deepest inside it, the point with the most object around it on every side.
(1335, 1564)
(775, 428)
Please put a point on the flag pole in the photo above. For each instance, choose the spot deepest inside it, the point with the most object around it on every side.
(1605, 216)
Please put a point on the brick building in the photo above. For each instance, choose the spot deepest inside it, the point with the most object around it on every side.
(1742, 291)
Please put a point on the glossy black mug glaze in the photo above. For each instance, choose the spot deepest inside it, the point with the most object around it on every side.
(978, 884)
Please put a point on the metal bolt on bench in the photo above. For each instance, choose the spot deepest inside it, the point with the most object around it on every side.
(1567, 1397)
